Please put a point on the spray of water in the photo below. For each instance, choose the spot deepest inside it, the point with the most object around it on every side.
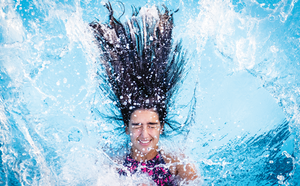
(243, 70)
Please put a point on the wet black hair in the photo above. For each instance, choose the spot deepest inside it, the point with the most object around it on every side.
(143, 67)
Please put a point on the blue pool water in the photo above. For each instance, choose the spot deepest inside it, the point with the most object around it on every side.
(243, 71)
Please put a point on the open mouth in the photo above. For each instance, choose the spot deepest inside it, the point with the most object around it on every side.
(144, 142)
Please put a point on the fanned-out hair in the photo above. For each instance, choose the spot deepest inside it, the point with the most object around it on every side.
(142, 69)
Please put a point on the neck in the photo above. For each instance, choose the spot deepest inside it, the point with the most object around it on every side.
(141, 157)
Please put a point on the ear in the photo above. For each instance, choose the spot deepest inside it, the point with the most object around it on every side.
(127, 130)
(162, 129)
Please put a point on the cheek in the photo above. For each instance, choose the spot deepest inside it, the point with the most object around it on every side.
(156, 134)
(133, 134)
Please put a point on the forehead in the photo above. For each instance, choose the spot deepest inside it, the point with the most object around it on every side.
(144, 116)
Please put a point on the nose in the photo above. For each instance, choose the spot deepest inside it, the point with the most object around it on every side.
(144, 133)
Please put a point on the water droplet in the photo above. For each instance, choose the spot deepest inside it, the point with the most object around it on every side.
(280, 177)
(74, 134)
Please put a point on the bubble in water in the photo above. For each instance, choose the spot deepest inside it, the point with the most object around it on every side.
(130, 144)
(280, 177)
(274, 49)
(74, 135)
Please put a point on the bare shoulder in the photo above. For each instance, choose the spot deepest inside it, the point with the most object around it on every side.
(180, 166)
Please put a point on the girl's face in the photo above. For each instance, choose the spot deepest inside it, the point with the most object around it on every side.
(144, 129)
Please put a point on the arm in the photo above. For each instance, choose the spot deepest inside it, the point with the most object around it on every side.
(185, 171)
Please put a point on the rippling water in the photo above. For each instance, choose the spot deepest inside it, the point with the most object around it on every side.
(243, 70)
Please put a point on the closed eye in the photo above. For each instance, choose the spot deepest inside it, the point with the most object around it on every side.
(136, 125)
(153, 125)
(149, 125)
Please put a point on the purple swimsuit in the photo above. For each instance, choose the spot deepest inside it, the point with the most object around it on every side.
(160, 174)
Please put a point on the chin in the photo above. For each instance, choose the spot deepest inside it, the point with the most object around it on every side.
(144, 150)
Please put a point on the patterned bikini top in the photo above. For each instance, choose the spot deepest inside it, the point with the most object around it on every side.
(154, 168)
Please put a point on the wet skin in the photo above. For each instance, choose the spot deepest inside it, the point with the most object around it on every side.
(144, 129)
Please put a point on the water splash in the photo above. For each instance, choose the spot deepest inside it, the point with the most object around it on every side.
(244, 55)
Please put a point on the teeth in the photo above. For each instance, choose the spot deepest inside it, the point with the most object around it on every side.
(144, 141)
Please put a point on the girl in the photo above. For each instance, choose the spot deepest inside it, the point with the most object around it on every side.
(142, 74)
